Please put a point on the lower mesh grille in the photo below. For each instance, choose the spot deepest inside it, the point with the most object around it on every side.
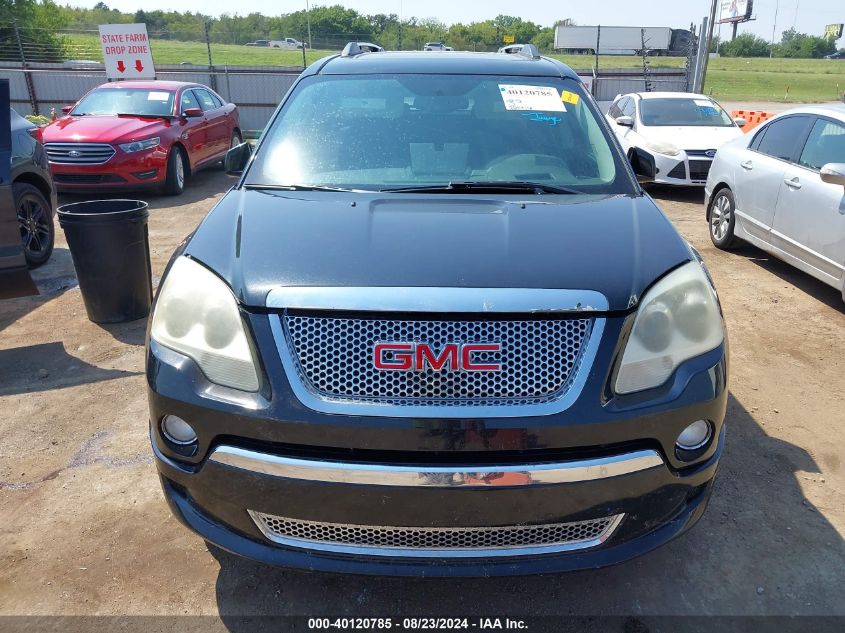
(443, 541)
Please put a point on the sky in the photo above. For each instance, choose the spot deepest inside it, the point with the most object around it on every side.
(808, 16)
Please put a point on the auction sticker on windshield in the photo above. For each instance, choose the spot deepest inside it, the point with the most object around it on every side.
(543, 98)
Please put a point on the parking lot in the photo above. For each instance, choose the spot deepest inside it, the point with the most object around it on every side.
(85, 529)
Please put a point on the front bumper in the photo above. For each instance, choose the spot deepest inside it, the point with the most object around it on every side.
(658, 505)
(307, 466)
(121, 171)
(683, 169)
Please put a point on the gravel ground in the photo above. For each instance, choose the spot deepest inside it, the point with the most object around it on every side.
(85, 529)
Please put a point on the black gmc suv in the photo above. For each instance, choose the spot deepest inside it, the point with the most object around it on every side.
(437, 328)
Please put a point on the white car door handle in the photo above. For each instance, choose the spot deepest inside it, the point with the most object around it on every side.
(747, 165)
(793, 184)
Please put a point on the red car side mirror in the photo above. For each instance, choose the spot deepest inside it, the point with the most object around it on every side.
(192, 113)
(66, 109)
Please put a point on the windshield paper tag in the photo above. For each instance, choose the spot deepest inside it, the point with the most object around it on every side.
(158, 96)
(569, 97)
(703, 103)
(542, 98)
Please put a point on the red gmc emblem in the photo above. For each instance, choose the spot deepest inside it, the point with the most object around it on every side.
(420, 356)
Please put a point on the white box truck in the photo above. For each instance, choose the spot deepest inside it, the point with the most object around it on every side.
(615, 40)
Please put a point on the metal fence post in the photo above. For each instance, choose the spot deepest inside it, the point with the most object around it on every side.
(304, 63)
(210, 62)
(30, 86)
(598, 43)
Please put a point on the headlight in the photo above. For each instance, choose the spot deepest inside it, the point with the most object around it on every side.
(137, 146)
(678, 319)
(662, 147)
(196, 314)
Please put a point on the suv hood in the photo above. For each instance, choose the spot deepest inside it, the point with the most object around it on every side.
(260, 240)
(102, 129)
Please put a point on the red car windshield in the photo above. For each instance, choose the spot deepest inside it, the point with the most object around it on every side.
(135, 101)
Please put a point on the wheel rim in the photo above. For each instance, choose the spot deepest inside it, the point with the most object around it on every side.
(180, 170)
(34, 222)
(720, 217)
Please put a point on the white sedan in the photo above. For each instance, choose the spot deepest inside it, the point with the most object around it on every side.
(782, 188)
(681, 130)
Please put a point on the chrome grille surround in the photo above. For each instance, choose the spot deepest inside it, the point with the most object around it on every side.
(510, 540)
(79, 153)
(333, 360)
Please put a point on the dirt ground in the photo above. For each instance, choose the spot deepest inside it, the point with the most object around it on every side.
(84, 528)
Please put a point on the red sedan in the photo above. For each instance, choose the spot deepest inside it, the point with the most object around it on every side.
(131, 134)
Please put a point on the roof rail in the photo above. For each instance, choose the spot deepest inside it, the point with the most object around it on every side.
(530, 51)
(353, 49)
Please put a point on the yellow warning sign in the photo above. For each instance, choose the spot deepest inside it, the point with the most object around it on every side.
(509, 39)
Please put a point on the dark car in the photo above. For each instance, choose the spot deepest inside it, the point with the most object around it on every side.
(836, 55)
(437, 328)
(33, 190)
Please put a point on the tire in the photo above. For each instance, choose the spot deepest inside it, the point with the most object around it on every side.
(176, 172)
(722, 219)
(35, 218)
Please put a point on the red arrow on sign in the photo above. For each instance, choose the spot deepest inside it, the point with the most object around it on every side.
(120, 65)
(138, 65)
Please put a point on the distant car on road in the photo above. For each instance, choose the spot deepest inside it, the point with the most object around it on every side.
(681, 130)
(511, 49)
(436, 46)
(288, 42)
(781, 189)
(836, 55)
(133, 134)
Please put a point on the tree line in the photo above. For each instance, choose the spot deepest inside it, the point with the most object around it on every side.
(331, 27)
(792, 45)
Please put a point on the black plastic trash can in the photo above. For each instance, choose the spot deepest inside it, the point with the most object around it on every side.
(108, 241)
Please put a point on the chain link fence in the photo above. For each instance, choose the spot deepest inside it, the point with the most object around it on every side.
(49, 69)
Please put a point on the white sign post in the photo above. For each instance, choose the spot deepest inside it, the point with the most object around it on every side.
(126, 51)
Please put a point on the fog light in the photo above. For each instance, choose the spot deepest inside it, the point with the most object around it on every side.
(694, 436)
(177, 430)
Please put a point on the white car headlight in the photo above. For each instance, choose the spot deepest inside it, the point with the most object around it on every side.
(138, 146)
(678, 319)
(662, 147)
(197, 315)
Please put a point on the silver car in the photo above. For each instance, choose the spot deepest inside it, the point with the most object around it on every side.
(781, 187)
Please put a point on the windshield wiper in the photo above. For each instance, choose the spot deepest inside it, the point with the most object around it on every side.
(147, 116)
(490, 186)
(297, 187)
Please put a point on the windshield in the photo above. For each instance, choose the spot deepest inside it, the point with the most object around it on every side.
(382, 132)
(685, 112)
(140, 101)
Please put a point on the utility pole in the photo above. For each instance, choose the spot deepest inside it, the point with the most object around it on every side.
(308, 20)
(774, 28)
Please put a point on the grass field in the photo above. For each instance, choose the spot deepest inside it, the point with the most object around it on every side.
(733, 79)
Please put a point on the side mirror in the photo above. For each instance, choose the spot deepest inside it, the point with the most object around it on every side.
(625, 121)
(192, 113)
(740, 122)
(643, 165)
(67, 108)
(834, 174)
(237, 159)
